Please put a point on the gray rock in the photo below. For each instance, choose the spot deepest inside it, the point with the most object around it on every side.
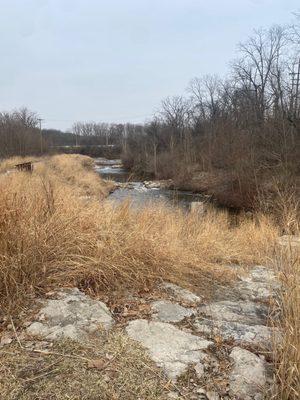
(172, 349)
(242, 320)
(259, 285)
(72, 314)
(246, 312)
(252, 334)
(259, 273)
(180, 293)
(166, 311)
(248, 377)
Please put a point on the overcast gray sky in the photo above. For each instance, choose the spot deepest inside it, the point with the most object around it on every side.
(114, 60)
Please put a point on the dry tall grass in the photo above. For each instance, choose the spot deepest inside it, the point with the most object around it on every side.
(52, 234)
(287, 351)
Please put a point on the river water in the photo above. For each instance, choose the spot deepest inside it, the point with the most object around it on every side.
(136, 191)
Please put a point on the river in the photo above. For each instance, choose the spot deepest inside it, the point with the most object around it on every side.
(139, 192)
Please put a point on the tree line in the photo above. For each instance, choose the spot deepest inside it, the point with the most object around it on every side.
(245, 127)
(19, 133)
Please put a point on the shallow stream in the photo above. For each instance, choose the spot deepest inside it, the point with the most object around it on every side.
(138, 191)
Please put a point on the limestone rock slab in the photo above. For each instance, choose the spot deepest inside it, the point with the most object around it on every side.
(172, 349)
(73, 315)
(180, 293)
(166, 311)
(259, 285)
(259, 335)
(246, 312)
(248, 377)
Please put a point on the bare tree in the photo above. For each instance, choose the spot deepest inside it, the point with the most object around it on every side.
(260, 61)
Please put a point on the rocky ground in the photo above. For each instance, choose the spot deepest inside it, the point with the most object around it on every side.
(215, 350)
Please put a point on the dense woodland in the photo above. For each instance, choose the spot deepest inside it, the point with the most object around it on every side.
(235, 138)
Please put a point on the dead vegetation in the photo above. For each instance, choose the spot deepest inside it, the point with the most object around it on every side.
(8, 165)
(112, 367)
(55, 231)
(287, 351)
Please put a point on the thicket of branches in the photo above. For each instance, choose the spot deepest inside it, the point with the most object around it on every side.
(246, 126)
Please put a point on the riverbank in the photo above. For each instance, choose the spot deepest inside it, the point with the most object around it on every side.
(273, 190)
(65, 233)
(223, 188)
(59, 230)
